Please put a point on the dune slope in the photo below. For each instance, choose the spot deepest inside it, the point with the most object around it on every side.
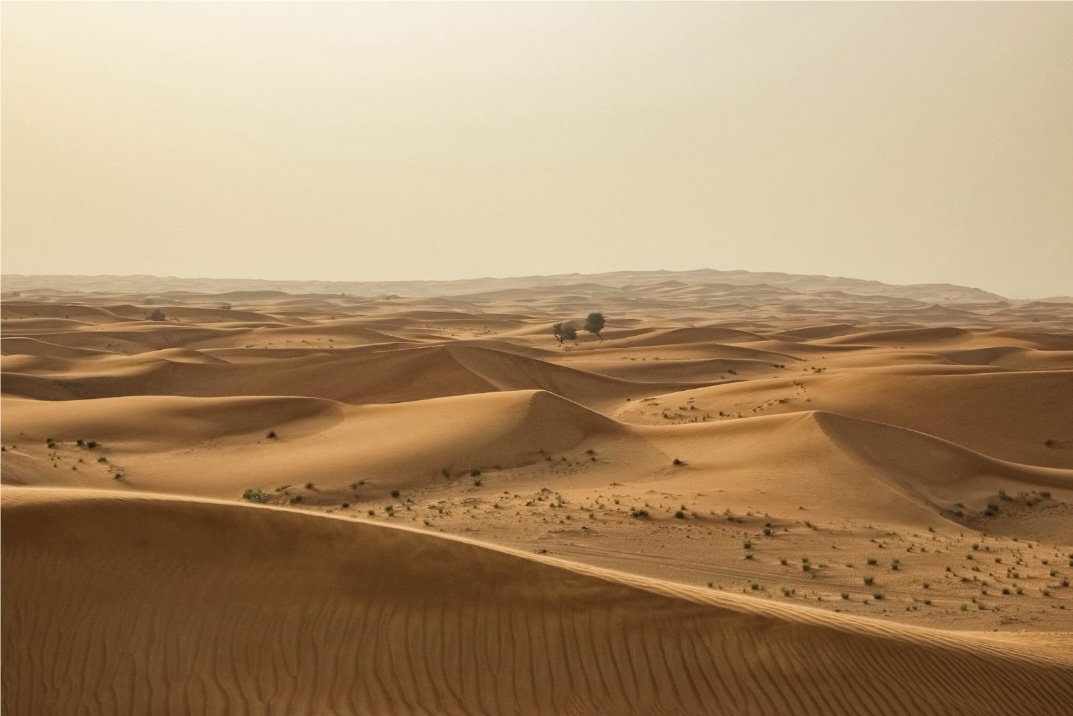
(255, 610)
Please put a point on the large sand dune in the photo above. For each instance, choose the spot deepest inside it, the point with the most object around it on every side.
(750, 494)
(122, 605)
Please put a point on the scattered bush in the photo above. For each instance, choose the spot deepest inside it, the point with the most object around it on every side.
(869, 580)
(677, 462)
(252, 495)
(156, 315)
(271, 435)
(395, 494)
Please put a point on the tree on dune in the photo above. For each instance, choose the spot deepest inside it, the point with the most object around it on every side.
(595, 323)
(564, 332)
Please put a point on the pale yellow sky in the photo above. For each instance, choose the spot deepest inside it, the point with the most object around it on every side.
(900, 142)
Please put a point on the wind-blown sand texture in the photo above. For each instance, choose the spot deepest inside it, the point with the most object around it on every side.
(814, 496)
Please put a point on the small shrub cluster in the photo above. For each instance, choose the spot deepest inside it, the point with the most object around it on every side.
(253, 495)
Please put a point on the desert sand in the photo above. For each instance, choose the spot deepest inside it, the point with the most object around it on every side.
(750, 494)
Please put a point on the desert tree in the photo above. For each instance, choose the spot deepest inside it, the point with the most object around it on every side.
(564, 332)
(594, 323)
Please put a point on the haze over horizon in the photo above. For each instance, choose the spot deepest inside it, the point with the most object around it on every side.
(904, 143)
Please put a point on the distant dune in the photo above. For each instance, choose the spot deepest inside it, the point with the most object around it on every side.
(256, 290)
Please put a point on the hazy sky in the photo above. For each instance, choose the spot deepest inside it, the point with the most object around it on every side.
(901, 142)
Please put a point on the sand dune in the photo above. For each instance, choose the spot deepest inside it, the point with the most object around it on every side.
(900, 337)
(272, 611)
(218, 446)
(388, 373)
(1007, 415)
(16, 310)
(700, 334)
(934, 470)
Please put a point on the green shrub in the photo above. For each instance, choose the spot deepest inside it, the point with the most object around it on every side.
(252, 495)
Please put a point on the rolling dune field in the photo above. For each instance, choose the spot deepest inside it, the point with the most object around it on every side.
(749, 494)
